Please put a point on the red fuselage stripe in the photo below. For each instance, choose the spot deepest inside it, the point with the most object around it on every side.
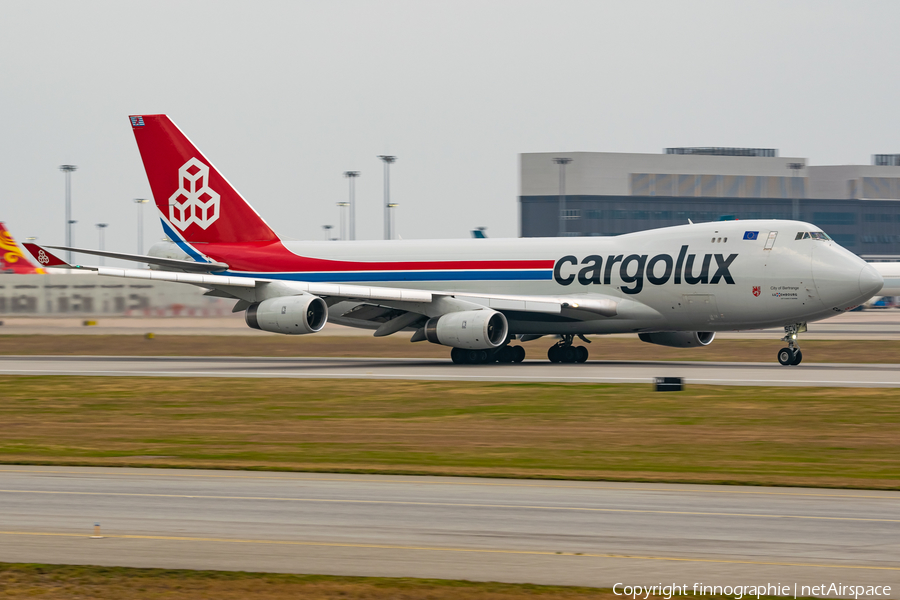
(276, 258)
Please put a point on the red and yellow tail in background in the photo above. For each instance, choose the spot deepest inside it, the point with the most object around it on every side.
(12, 259)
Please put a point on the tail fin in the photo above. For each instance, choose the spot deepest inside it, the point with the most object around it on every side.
(47, 258)
(12, 260)
(197, 203)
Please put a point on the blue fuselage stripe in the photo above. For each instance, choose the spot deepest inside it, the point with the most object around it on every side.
(177, 239)
(358, 276)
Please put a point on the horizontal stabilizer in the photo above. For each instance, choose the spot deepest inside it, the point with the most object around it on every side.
(46, 258)
(172, 263)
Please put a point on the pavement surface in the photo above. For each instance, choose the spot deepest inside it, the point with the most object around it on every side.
(869, 325)
(712, 373)
(549, 532)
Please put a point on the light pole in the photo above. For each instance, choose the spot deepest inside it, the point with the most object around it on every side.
(101, 227)
(795, 200)
(343, 206)
(327, 229)
(68, 169)
(140, 223)
(71, 222)
(352, 175)
(388, 161)
(390, 207)
(562, 162)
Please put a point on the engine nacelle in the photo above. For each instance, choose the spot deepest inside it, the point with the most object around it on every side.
(292, 315)
(679, 339)
(471, 329)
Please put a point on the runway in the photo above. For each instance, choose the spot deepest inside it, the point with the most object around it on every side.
(550, 532)
(711, 373)
(881, 324)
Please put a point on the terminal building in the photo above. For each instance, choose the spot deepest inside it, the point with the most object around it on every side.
(610, 193)
(65, 292)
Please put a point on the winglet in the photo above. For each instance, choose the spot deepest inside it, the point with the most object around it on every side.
(46, 258)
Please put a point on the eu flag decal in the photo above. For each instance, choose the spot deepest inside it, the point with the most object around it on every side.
(751, 235)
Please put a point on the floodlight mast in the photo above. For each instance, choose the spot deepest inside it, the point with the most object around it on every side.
(342, 206)
(388, 161)
(101, 227)
(68, 170)
(140, 223)
(352, 175)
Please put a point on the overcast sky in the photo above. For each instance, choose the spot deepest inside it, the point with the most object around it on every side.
(284, 96)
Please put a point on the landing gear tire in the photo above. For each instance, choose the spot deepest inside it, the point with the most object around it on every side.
(553, 354)
(581, 354)
(786, 357)
(518, 354)
(506, 354)
(476, 357)
(560, 353)
(791, 356)
(458, 356)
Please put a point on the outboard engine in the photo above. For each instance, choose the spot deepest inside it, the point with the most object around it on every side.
(292, 315)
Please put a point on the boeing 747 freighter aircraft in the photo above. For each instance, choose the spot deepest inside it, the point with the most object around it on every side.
(675, 286)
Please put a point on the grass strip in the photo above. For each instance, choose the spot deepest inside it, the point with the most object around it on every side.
(821, 437)
(626, 349)
(52, 582)
(63, 582)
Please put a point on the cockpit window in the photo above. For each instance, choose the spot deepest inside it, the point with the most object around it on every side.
(815, 235)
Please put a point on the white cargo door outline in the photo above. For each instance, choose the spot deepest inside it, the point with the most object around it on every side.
(771, 240)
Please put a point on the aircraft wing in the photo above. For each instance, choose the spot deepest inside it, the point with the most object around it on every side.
(417, 301)
(402, 298)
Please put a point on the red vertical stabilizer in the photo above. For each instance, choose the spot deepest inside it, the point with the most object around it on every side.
(197, 203)
(12, 259)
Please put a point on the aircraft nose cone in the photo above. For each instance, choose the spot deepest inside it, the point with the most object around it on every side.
(870, 281)
(843, 279)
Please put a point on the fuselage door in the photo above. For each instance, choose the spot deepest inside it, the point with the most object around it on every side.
(700, 308)
(770, 241)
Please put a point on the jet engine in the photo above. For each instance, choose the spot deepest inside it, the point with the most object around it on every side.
(679, 339)
(293, 315)
(471, 329)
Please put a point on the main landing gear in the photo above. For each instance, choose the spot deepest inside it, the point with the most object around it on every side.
(564, 352)
(503, 354)
(791, 355)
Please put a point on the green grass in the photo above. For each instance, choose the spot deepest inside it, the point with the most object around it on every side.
(829, 437)
(58, 582)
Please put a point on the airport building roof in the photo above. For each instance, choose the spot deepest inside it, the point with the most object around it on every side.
(708, 172)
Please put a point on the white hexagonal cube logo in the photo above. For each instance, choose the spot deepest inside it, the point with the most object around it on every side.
(194, 202)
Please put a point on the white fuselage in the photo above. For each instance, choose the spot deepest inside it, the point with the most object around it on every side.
(701, 277)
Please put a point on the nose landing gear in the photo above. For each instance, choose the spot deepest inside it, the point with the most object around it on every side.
(791, 356)
(564, 352)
